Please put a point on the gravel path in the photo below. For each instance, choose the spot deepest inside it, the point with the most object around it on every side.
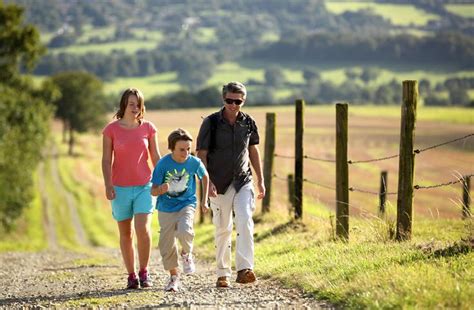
(96, 277)
(68, 279)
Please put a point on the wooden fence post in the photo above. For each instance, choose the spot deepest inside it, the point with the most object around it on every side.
(406, 166)
(466, 198)
(268, 159)
(291, 191)
(299, 128)
(342, 172)
(383, 193)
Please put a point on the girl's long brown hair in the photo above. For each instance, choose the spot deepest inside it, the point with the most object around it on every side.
(124, 101)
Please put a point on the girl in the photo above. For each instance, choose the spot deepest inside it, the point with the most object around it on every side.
(127, 141)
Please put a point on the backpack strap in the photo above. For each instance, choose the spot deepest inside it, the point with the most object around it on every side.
(214, 118)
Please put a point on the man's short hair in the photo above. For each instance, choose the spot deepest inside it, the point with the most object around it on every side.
(234, 87)
(179, 134)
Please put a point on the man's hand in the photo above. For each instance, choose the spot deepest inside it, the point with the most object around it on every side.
(212, 190)
(261, 190)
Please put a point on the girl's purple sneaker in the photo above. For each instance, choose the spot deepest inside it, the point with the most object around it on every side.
(132, 282)
(145, 279)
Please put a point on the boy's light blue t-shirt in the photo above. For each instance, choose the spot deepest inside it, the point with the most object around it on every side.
(181, 180)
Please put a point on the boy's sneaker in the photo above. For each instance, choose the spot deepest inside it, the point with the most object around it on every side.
(188, 263)
(173, 284)
(145, 279)
(132, 282)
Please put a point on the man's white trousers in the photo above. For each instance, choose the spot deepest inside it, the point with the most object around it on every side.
(243, 205)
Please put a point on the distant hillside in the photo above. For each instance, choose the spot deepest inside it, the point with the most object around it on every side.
(191, 38)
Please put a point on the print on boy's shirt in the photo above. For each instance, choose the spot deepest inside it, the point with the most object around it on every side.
(178, 182)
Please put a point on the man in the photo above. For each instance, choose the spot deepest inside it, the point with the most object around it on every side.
(227, 145)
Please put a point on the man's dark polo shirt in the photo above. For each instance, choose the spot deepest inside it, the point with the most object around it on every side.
(228, 161)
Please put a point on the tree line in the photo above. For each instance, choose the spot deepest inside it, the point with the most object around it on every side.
(400, 49)
(316, 90)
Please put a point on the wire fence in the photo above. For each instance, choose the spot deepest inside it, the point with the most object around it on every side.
(354, 189)
(443, 143)
(443, 184)
(406, 163)
(417, 151)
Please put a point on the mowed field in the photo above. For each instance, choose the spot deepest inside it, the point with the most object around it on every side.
(398, 14)
(373, 133)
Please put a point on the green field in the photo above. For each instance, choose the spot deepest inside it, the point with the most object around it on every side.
(206, 35)
(142, 39)
(398, 14)
(462, 9)
(98, 32)
(159, 84)
(147, 34)
(128, 46)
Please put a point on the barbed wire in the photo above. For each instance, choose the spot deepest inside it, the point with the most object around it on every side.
(371, 160)
(417, 151)
(319, 184)
(284, 156)
(319, 159)
(443, 184)
(352, 162)
(279, 178)
(353, 189)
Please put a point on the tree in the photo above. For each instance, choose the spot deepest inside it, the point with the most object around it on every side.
(459, 97)
(311, 75)
(369, 74)
(274, 76)
(24, 126)
(424, 87)
(24, 115)
(81, 103)
(194, 69)
(19, 44)
(351, 74)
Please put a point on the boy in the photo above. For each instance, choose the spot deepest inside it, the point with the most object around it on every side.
(174, 182)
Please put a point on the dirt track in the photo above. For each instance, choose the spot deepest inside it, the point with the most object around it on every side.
(96, 277)
(66, 279)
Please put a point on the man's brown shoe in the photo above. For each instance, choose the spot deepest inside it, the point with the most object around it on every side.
(222, 282)
(245, 276)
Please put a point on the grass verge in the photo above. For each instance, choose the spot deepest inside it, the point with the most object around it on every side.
(28, 234)
(94, 216)
(435, 269)
(65, 233)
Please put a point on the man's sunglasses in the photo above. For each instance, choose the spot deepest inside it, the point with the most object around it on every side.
(234, 101)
